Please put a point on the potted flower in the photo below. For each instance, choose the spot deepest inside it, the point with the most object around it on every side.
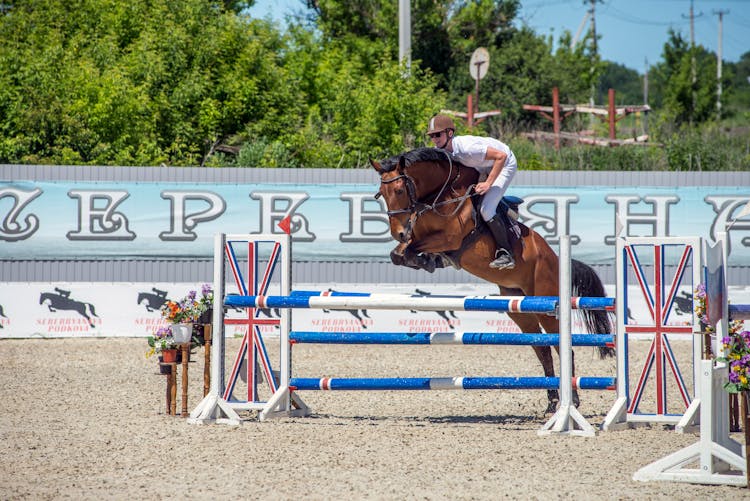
(207, 304)
(184, 313)
(163, 343)
(736, 355)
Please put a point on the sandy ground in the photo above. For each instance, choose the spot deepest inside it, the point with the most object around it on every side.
(85, 419)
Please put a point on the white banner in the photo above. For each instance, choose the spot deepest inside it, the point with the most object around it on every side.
(132, 310)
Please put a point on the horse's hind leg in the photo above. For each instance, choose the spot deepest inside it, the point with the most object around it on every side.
(551, 325)
(528, 323)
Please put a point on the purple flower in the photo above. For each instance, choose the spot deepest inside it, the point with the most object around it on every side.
(733, 377)
(206, 290)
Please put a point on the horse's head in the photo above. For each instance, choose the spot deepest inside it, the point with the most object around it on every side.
(399, 193)
(412, 184)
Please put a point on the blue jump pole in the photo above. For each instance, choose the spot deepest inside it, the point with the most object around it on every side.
(448, 383)
(739, 311)
(466, 338)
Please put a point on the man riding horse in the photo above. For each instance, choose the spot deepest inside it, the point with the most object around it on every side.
(491, 158)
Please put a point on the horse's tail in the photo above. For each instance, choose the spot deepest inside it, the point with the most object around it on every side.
(586, 283)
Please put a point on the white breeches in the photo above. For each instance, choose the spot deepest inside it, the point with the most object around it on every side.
(496, 192)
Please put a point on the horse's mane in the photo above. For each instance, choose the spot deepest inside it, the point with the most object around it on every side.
(415, 156)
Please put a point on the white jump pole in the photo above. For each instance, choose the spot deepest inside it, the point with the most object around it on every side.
(213, 408)
(567, 420)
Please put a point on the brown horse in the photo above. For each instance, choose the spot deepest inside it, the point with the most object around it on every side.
(428, 196)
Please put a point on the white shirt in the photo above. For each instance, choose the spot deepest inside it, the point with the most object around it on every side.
(470, 151)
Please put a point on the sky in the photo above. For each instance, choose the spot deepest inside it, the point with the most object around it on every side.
(631, 31)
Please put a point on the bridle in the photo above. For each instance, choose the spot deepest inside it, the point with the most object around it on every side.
(416, 207)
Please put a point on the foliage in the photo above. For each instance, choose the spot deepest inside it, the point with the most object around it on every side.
(159, 82)
(736, 345)
(105, 82)
(160, 341)
(190, 308)
(627, 83)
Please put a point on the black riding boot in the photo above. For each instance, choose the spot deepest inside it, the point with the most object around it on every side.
(504, 253)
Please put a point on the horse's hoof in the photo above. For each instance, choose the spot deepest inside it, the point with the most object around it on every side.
(551, 407)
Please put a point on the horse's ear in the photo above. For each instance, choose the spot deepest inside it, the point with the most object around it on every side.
(376, 165)
(401, 164)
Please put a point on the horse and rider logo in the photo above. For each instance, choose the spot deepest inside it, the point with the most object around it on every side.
(446, 315)
(60, 300)
(154, 300)
(3, 317)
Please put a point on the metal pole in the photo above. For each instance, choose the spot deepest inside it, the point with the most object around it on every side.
(556, 116)
(720, 13)
(611, 113)
(404, 33)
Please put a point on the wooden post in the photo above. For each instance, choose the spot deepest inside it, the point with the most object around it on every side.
(556, 116)
(469, 111)
(611, 114)
(207, 364)
(185, 356)
(171, 388)
(734, 413)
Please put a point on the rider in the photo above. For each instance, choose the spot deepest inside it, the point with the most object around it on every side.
(490, 157)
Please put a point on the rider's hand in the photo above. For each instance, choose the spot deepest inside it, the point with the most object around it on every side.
(482, 187)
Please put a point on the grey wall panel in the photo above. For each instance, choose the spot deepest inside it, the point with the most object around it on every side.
(200, 271)
(367, 176)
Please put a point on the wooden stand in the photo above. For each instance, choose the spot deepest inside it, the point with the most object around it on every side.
(171, 394)
(207, 363)
(171, 397)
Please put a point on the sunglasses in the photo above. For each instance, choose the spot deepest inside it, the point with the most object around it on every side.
(436, 134)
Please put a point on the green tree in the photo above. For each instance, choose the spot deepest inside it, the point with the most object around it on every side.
(107, 82)
(626, 82)
(682, 100)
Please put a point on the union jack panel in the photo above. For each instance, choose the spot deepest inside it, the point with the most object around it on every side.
(658, 324)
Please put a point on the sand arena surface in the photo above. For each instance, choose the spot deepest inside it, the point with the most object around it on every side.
(85, 419)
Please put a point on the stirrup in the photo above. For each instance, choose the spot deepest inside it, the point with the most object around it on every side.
(503, 260)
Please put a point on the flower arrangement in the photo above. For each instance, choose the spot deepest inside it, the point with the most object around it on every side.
(189, 308)
(737, 349)
(160, 341)
(736, 346)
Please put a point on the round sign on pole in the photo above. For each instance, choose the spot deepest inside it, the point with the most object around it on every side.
(480, 61)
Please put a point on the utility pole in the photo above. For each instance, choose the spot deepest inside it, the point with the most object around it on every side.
(645, 97)
(404, 34)
(693, 73)
(593, 49)
(719, 13)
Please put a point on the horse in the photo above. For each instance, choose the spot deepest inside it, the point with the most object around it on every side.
(430, 204)
(60, 300)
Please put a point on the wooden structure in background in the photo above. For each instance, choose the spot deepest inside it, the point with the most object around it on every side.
(611, 113)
